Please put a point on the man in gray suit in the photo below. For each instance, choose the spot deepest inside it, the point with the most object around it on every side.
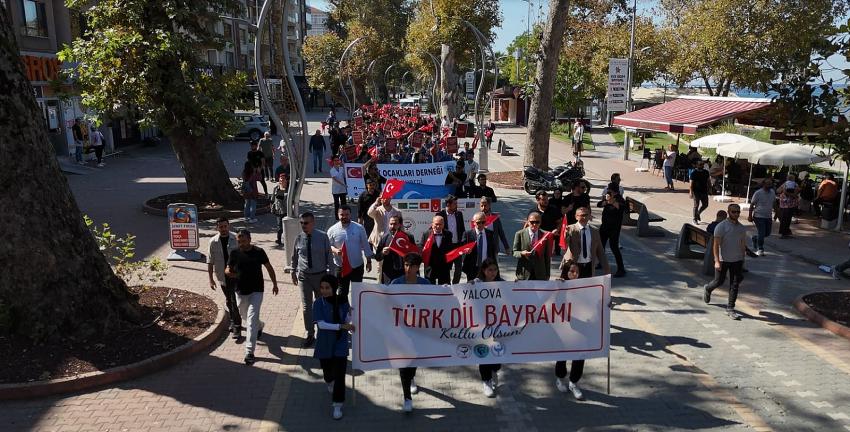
(311, 259)
(218, 251)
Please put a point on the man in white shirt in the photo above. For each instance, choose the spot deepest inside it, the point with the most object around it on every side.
(761, 214)
(353, 235)
(471, 168)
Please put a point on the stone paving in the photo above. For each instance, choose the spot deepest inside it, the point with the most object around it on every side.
(676, 364)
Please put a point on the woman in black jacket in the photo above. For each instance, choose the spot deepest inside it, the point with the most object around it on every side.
(612, 221)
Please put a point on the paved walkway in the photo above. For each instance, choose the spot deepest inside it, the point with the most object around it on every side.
(676, 364)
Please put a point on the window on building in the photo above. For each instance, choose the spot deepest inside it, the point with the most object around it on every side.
(228, 31)
(243, 35)
(228, 59)
(250, 59)
(35, 18)
(243, 61)
(212, 58)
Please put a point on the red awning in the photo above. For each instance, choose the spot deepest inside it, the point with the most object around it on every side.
(688, 113)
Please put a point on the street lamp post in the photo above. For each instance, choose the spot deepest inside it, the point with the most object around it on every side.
(434, 101)
(630, 73)
(353, 101)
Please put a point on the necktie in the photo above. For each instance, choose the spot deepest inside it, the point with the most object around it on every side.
(309, 252)
(583, 243)
(480, 246)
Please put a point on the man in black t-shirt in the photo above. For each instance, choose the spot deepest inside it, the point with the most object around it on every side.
(245, 265)
(577, 199)
(699, 190)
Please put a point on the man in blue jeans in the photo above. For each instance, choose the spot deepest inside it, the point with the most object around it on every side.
(761, 214)
(317, 148)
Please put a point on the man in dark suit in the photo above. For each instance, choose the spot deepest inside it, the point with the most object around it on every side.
(498, 231)
(486, 246)
(437, 270)
(454, 224)
(393, 263)
(532, 265)
(584, 246)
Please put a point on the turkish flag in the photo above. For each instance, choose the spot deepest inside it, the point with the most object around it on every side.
(563, 235)
(426, 249)
(487, 222)
(392, 187)
(346, 264)
(402, 245)
(465, 249)
(374, 152)
(541, 243)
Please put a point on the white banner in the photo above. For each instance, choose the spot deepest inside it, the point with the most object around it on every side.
(423, 173)
(418, 213)
(483, 323)
(618, 69)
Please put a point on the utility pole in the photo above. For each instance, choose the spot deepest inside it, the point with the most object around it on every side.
(629, 88)
(527, 51)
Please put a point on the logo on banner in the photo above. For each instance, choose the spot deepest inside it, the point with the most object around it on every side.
(355, 172)
(435, 205)
(481, 350)
(463, 351)
(498, 349)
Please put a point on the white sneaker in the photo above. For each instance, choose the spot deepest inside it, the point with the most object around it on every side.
(408, 406)
(576, 392)
(495, 379)
(487, 387)
(560, 385)
(760, 252)
(330, 387)
(413, 387)
(81, 163)
(101, 165)
(337, 410)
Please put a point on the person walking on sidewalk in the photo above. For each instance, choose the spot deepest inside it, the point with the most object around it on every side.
(569, 271)
(613, 207)
(220, 247)
(761, 214)
(454, 224)
(699, 190)
(789, 199)
(311, 259)
(250, 177)
(267, 147)
(729, 248)
(331, 313)
(351, 235)
(245, 264)
(97, 143)
(339, 190)
(412, 262)
(584, 246)
(279, 204)
(489, 272)
(79, 139)
(669, 163)
(317, 149)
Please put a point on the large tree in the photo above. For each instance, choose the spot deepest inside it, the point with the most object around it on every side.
(540, 112)
(438, 28)
(56, 282)
(145, 55)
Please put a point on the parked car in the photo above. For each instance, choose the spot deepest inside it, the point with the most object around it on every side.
(253, 125)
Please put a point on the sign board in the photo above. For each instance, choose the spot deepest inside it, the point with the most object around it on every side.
(358, 122)
(470, 82)
(451, 145)
(416, 139)
(426, 173)
(418, 213)
(183, 232)
(357, 137)
(460, 129)
(392, 145)
(482, 323)
(618, 75)
(350, 152)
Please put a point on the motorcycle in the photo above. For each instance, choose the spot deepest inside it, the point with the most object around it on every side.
(560, 177)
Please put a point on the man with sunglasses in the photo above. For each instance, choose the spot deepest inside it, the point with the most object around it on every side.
(533, 264)
(729, 248)
(311, 259)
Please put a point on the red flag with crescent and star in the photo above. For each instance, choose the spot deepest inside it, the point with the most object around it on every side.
(563, 235)
(392, 187)
(402, 245)
(487, 222)
(465, 249)
(541, 243)
(346, 264)
(426, 249)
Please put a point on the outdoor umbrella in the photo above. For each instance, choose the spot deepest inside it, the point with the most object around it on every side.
(743, 150)
(718, 141)
(788, 154)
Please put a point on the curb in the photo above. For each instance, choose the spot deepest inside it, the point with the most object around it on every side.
(803, 309)
(503, 186)
(121, 373)
(205, 215)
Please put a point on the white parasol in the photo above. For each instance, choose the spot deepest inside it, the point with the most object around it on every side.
(719, 140)
(788, 154)
(742, 150)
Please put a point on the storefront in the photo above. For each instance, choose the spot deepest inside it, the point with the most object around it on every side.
(508, 106)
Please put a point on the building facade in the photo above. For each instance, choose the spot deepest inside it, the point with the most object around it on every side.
(318, 20)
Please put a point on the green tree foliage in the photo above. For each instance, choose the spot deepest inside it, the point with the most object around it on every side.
(144, 55)
(729, 43)
(322, 54)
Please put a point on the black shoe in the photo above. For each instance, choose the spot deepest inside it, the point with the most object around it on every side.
(249, 359)
(309, 341)
(706, 295)
(236, 333)
(278, 242)
(260, 333)
(620, 274)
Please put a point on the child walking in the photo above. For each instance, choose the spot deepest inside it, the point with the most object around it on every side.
(570, 271)
(331, 316)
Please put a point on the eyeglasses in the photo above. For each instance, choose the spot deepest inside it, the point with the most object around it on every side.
(479, 222)
(534, 222)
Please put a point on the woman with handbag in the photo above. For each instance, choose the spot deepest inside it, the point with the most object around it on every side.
(279, 204)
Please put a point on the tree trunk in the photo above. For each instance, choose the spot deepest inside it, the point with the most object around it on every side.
(540, 112)
(451, 93)
(207, 179)
(56, 282)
